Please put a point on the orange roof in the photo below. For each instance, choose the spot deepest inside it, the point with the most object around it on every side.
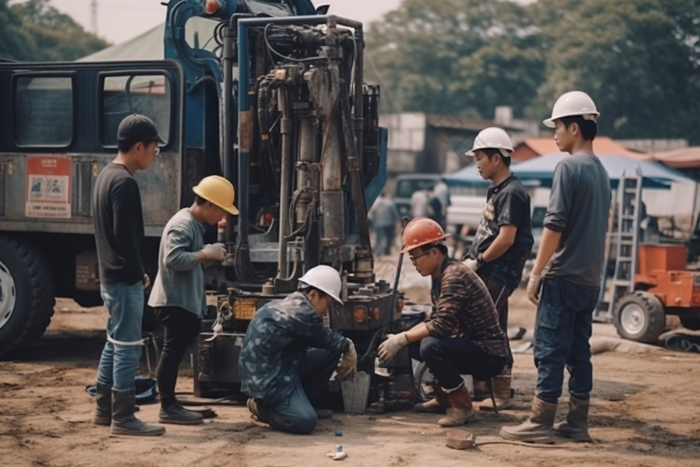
(680, 158)
(602, 145)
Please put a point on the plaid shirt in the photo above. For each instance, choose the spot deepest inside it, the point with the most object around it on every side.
(463, 309)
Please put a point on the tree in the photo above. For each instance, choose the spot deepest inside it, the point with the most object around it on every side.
(35, 31)
(461, 57)
(638, 59)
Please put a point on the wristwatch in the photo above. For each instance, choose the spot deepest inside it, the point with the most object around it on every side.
(480, 259)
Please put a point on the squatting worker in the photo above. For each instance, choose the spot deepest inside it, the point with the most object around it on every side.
(502, 242)
(461, 335)
(119, 237)
(178, 294)
(574, 239)
(289, 355)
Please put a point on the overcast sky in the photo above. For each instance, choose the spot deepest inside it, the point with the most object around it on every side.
(119, 20)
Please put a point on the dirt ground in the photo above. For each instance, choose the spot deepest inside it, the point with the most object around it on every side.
(645, 412)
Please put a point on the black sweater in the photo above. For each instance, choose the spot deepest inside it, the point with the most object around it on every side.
(119, 232)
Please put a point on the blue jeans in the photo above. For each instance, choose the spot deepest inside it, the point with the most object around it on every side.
(119, 363)
(449, 358)
(296, 414)
(562, 330)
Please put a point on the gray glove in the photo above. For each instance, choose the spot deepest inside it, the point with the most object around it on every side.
(215, 251)
(348, 363)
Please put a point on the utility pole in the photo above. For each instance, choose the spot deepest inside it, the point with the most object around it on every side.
(93, 15)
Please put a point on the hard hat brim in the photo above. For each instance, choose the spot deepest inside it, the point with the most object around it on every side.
(408, 248)
(333, 296)
(231, 209)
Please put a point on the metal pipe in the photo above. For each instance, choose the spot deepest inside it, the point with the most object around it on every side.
(286, 131)
(227, 118)
(359, 94)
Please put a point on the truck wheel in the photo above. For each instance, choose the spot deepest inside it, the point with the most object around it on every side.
(26, 295)
(691, 323)
(639, 316)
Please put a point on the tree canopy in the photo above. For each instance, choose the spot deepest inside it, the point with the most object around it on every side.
(638, 59)
(35, 31)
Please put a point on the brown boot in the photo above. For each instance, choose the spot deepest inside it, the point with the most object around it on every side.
(437, 404)
(461, 410)
(576, 424)
(538, 429)
(481, 391)
(501, 392)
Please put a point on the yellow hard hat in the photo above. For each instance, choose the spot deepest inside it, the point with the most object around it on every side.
(218, 191)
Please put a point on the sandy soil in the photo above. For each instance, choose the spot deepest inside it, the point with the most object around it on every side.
(645, 412)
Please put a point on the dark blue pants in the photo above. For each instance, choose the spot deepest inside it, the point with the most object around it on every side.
(449, 358)
(296, 414)
(562, 330)
(385, 239)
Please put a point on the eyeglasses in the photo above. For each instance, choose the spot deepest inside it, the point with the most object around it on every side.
(414, 258)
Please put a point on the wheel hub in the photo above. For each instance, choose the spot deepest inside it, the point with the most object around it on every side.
(8, 295)
(633, 318)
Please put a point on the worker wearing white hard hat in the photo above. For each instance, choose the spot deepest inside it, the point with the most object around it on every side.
(572, 247)
(502, 243)
(289, 355)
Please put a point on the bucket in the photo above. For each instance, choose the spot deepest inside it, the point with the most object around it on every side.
(355, 393)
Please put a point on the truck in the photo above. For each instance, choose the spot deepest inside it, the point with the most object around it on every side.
(279, 107)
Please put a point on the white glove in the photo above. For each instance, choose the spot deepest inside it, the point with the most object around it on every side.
(391, 346)
(471, 264)
(348, 363)
(215, 251)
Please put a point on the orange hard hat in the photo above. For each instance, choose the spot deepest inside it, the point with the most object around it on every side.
(422, 231)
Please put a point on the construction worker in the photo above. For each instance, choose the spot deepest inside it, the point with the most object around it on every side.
(288, 354)
(502, 242)
(574, 240)
(384, 217)
(119, 237)
(178, 296)
(461, 335)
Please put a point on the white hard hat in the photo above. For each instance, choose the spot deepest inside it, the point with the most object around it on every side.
(324, 278)
(492, 138)
(572, 104)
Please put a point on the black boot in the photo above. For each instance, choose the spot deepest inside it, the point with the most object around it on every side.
(123, 420)
(103, 401)
(576, 424)
(177, 415)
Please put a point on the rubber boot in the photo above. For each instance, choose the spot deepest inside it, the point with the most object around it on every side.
(175, 414)
(437, 404)
(460, 411)
(576, 424)
(481, 391)
(501, 392)
(538, 429)
(103, 401)
(123, 420)
(255, 411)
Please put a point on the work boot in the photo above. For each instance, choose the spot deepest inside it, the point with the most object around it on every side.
(437, 404)
(255, 410)
(501, 392)
(103, 401)
(481, 391)
(123, 420)
(177, 415)
(460, 411)
(538, 429)
(576, 424)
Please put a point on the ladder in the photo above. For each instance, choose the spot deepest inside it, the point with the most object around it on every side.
(624, 237)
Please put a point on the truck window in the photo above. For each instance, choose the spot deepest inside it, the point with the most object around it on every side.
(123, 95)
(44, 109)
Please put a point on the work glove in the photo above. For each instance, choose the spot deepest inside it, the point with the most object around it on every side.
(533, 288)
(215, 251)
(471, 264)
(348, 363)
(391, 346)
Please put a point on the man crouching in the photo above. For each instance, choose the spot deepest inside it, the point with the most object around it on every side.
(461, 335)
(288, 354)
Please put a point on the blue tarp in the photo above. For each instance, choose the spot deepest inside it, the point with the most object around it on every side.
(540, 171)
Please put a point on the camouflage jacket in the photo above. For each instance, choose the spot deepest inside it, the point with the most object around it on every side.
(462, 308)
(275, 345)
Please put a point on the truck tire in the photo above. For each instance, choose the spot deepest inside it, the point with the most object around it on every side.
(639, 316)
(26, 295)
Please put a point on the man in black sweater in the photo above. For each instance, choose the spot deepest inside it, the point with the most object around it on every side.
(119, 236)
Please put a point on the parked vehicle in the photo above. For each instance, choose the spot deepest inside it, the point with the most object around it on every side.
(407, 184)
